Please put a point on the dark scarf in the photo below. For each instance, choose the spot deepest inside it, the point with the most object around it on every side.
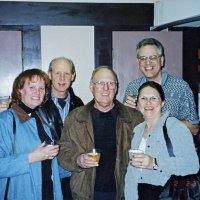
(47, 184)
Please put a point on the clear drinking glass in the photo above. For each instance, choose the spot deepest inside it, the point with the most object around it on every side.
(95, 154)
(4, 101)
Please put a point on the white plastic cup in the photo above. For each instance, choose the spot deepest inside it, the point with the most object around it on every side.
(131, 152)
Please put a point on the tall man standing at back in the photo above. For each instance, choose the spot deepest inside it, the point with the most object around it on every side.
(179, 99)
(61, 73)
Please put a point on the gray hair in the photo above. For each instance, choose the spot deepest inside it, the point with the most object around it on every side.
(103, 67)
(150, 41)
(72, 66)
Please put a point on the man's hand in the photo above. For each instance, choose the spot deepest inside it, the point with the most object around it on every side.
(85, 161)
(131, 101)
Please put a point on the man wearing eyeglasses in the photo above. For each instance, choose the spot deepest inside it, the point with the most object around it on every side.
(179, 99)
(105, 124)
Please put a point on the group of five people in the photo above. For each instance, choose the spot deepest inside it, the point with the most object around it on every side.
(51, 145)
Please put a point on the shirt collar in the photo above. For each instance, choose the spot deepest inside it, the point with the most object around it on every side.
(55, 99)
(23, 116)
(163, 80)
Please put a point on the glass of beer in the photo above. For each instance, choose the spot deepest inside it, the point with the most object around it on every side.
(95, 154)
(4, 102)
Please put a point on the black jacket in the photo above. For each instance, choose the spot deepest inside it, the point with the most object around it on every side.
(53, 116)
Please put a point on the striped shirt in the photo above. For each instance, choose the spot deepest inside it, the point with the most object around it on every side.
(63, 111)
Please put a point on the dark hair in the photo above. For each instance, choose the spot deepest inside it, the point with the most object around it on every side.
(67, 60)
(150, 41)
(155, 86)
(29, 75)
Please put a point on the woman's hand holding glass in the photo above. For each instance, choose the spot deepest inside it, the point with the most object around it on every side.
(43, 152)
(141, 160)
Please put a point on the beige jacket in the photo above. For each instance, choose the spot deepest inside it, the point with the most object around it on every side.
(77, 138)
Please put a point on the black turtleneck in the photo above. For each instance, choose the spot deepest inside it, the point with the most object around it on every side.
(104, 127)
(47, 184)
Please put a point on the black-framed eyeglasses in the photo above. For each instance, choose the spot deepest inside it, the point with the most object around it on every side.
(143, 59)
(110, 84)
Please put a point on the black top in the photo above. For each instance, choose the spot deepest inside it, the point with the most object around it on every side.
(104, 126)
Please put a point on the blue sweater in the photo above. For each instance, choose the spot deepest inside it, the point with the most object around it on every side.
(25, 178)
(185, 161)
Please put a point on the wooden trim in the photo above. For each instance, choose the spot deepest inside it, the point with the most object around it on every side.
(105, 17)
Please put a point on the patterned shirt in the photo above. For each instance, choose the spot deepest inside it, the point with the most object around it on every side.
(63, 111)
(179, 99)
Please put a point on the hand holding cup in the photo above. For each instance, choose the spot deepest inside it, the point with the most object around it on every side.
(95, 155)
(89, 160)
(133, 157)
(132, 152)
(4, 103)
(131, 100)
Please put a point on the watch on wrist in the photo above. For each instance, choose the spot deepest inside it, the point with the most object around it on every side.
(155, 166)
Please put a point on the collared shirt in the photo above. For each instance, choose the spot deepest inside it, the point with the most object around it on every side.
(181, 164)
(63, 111)
(179, 99)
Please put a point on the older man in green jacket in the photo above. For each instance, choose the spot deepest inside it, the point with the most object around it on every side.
(105, 124)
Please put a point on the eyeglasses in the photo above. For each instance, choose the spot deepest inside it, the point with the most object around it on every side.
(110, 84)
(150, 99)
(143, 59)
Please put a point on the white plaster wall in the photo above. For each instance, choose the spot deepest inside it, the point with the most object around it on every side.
(65, 41)
(166, 11)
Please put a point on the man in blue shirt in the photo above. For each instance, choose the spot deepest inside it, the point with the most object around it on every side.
(61, 73)
(179, 99)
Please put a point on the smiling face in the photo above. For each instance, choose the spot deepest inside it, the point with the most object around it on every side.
(150, 103)
(61, 77)
(151, 68)
(33, 91)
(103, 93)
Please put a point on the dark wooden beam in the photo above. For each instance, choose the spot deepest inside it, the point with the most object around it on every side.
(105, 17)
(91, 14)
